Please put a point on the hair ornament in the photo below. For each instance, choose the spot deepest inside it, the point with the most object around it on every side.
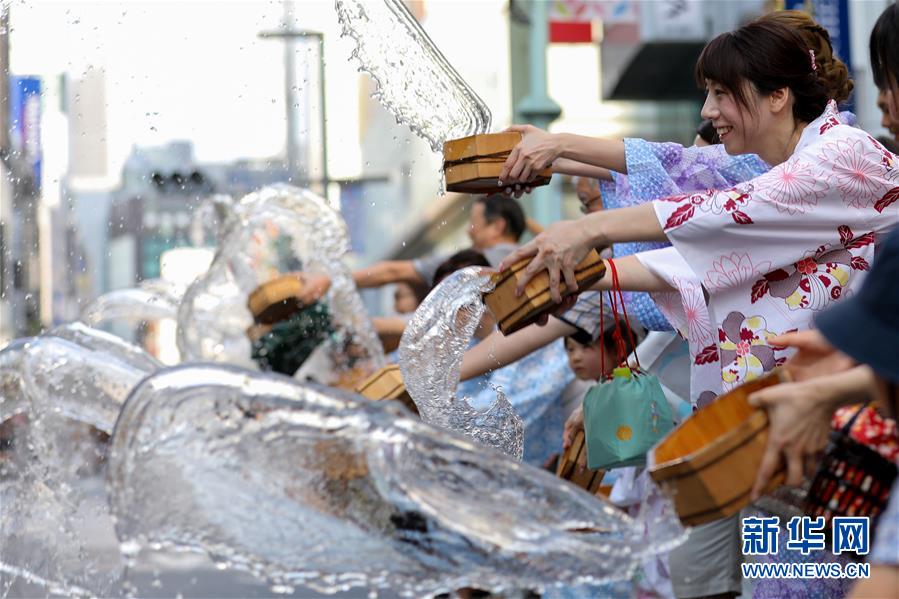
(811, 54)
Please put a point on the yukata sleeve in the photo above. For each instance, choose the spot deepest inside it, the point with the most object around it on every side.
(643, 307)
(661, 169)
(817, 206)
(648, 165)
(669, 265)
(618, 193)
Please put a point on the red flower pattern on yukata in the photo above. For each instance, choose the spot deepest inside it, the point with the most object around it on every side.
(818, 278)
(685, 212)
(743, 348)
(856, 171)
(730, 201)
(829, 123)
(888, 199)
(887, 159)
(794, 186)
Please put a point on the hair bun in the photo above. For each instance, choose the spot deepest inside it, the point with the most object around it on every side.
(832, 72)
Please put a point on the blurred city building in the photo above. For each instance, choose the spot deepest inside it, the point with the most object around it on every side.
(152, 210)
(20, 177)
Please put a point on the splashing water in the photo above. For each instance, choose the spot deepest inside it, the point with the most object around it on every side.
(273, 231)
(211, 219)
(12, 398)
(413, 80)
(81, 373)
(153, 299)
(66, 379)
(431, 352)
(300, 484)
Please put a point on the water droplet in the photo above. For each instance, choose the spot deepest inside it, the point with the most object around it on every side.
(129, 548)
(281, 589)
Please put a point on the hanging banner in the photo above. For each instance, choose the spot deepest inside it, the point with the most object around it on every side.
(833, 15)
(25, 122)
(577, 21)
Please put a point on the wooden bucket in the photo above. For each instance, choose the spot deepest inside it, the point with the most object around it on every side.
(708, 464)
(473, 164)
(571, 461)
(276, 300)
(513, 313)
(387, 383)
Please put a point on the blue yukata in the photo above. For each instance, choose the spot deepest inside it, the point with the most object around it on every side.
(534, 387)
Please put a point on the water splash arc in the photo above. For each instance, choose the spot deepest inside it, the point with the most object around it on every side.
(413, 80)
(431, 352)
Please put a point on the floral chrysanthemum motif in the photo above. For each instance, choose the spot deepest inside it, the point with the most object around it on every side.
(733, 270)
(856, 171)
(794, 187)
(819, 278)
(699, 329)
(744, 349)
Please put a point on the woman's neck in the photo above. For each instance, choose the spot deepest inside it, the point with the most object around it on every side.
(781, 144)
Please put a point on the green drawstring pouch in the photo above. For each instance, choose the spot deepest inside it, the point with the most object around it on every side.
(624, 418)
(626, 414)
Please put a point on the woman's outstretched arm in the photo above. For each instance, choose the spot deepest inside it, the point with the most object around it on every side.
(564, 166)
(564, 244)
(539, 149)
(498, 350)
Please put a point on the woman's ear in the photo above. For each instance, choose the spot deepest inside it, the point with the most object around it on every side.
(780, 99)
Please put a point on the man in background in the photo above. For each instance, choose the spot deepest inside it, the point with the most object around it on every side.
(495, 225)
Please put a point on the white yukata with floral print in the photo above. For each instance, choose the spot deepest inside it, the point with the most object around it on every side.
(775, 250)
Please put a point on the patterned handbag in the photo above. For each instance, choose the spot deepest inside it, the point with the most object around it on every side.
(852, 479)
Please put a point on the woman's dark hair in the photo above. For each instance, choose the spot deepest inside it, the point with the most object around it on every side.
(502, 206)
(832, 71)
(770, 56)
(458, 261)
(706, 131)
(889, 143)
(419, 290)
(884, 46)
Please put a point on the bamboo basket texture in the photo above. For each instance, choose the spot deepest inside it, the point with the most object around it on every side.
(708, 464)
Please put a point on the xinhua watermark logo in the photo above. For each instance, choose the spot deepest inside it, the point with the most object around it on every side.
(806, 535)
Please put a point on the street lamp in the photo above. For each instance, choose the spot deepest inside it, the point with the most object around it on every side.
(288, 35)
(539, 109)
